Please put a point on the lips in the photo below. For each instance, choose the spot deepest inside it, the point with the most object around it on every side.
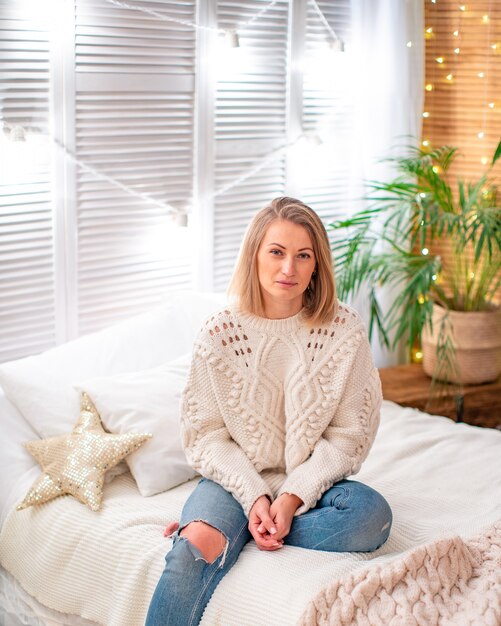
(285, 283)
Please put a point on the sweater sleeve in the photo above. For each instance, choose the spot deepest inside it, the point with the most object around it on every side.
(346, 441)
(208, 445)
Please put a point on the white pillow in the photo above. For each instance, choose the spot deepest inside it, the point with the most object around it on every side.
(147, 402)
(41, 387)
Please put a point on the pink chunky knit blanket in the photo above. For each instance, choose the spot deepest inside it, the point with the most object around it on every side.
(449, 582)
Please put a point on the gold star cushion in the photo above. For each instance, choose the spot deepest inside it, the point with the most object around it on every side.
(76, 463)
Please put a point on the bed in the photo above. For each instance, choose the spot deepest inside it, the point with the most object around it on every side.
(62, 563)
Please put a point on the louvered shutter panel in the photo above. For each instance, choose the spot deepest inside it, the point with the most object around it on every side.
(27, 293)
(134, 122)
(250, 123)
(327, 112)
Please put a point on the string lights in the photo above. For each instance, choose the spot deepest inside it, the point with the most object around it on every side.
(448, 65)
(178, 215)
(231, 35)
(310, 138)
(486, 21)
(337, 43)
(17, 133)
(168, 18)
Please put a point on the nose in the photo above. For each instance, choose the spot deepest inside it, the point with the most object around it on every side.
(288, 267)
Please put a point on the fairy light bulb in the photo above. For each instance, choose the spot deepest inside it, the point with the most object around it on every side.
(337, 45)
(421, 299)
(429, 87)
(462, 7)
(231, 38)
(439, 60)
(456, 33)
(481, 74)
(17, 133)
(425, 251)
(449, 77)
(409, 44)
(485, 19)
(481, 134)
(416, 355)
(425, 143)
(457, 50)
(484, 160)
(491, 105)
(494, 46)
(426, 114)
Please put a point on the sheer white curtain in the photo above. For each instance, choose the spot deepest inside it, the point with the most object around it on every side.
(388, 63)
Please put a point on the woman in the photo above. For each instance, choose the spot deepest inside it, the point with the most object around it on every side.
(281, 405)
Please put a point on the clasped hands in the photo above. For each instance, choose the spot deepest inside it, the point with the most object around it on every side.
(270, 522)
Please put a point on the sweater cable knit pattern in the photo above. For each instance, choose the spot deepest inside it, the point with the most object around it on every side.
(274, 406)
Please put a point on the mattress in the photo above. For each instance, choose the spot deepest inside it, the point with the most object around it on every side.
(441, 479)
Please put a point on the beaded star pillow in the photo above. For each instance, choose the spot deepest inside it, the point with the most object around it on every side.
(77, 462)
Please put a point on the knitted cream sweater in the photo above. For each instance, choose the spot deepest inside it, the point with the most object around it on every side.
(274, 406)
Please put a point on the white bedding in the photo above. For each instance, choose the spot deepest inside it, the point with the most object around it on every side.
(18, 608)
(440, 478)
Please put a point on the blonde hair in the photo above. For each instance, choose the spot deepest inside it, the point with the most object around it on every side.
(319, 300)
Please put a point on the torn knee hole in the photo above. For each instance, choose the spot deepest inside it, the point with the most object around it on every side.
(210, 542)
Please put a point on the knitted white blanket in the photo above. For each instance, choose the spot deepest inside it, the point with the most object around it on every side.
(448, 582)
(442, 480)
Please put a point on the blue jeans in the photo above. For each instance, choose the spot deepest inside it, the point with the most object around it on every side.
(350, 517)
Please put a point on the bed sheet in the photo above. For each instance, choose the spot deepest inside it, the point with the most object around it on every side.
(440, 478)
(18, 608)
(15, 461)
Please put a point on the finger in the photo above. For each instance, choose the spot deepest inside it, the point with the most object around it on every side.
(269, 545)
(283, 524)
(281, 533)
(258, 535)
(171, 528)
(264, 542)
(268, 523)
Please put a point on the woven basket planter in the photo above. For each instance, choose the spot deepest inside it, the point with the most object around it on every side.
(477, 340)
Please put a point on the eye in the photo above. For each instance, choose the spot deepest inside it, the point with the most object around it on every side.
(304, 255)
(276, 251)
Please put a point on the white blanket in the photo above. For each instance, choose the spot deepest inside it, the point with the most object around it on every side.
(441, 479)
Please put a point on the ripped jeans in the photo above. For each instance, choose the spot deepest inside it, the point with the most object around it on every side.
(349, 517)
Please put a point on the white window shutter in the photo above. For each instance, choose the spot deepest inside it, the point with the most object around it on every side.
(250, 122)
(134, 122)
(327, 115)
(131, 78)
(27, 295)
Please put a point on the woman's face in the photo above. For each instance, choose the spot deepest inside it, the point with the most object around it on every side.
(285, 263)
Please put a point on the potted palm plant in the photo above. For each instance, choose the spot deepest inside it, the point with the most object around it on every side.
(447, 301)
